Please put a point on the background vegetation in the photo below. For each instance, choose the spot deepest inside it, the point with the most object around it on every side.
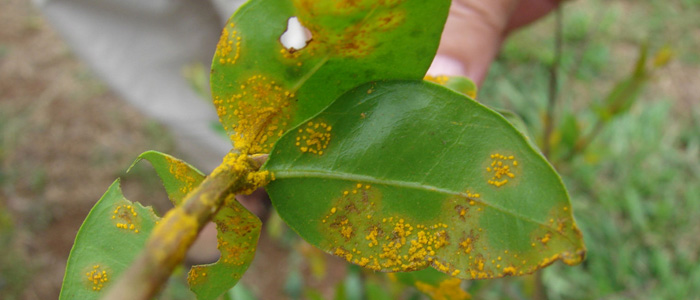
(635, 190)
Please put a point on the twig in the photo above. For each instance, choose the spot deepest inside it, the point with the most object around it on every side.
(539, 292)
(175, 233)
(553, 83)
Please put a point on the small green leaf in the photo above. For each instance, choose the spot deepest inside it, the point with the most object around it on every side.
(626, 91)
(111, 236)
(517, 122)
(179, 178)
(238, 231)
(414, 175)
(434, 284)
(376, 291)
(570, 131)
(260, 88)
(459, 84)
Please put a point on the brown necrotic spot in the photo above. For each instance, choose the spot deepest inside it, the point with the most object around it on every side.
(125, 217)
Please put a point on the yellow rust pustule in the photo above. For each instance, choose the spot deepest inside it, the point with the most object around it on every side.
(126, 218)
(181, 171)
(501, 169)
(97, 277)
(257, 115)
(313, 137)
(228, 50)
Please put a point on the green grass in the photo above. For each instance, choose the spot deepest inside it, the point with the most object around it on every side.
(635, 190)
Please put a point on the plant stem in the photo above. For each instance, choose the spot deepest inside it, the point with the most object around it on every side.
(586, 141)
(553, 83)
(175, 233)
(539, 292)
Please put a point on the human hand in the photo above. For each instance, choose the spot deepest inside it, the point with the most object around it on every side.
(475, 30)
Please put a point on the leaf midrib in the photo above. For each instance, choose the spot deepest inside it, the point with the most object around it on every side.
(404, 184)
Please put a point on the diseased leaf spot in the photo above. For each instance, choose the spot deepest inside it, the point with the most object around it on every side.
(261, 111)
(545, 239)
(228, 49)
(314, 138)
(97, 277)
(182, 174)
(125, 217)
(357, 40)
(441, 80)
(501, 169)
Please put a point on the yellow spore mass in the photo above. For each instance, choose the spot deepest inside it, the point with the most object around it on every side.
(257, 115)
(441, 80)
(97, 277)
(180, 171)
(314, 137)
(228, 50)
(125, 217)
(501, 169)
(241, 163)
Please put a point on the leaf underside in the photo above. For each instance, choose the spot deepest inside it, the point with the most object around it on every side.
(116, 231)
(402, 175)
(109, 239)
(238, 229)
(261, 89)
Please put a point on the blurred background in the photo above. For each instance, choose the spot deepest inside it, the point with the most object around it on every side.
(626, 140)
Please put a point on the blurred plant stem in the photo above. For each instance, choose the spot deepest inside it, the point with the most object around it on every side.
(539, 291)
(553, 83)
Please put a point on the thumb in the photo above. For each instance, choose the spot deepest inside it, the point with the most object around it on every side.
(472, 37)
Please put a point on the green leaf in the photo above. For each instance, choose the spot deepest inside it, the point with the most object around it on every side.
(260, 88)
(434, 284)
(111, 236)
(375, 291)
(179, 178)
(458, 84)
(626, 91)
(238, 231)
(516, 121)
(570, 131)
(412, 175)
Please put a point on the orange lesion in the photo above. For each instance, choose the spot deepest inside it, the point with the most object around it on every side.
(181, 172)
(501, 169)
(125, 217)
(314, 137)
(356, 39)
(343, 7)
(97, 277)
(228, 49)
(441, 80)
(260, 112)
